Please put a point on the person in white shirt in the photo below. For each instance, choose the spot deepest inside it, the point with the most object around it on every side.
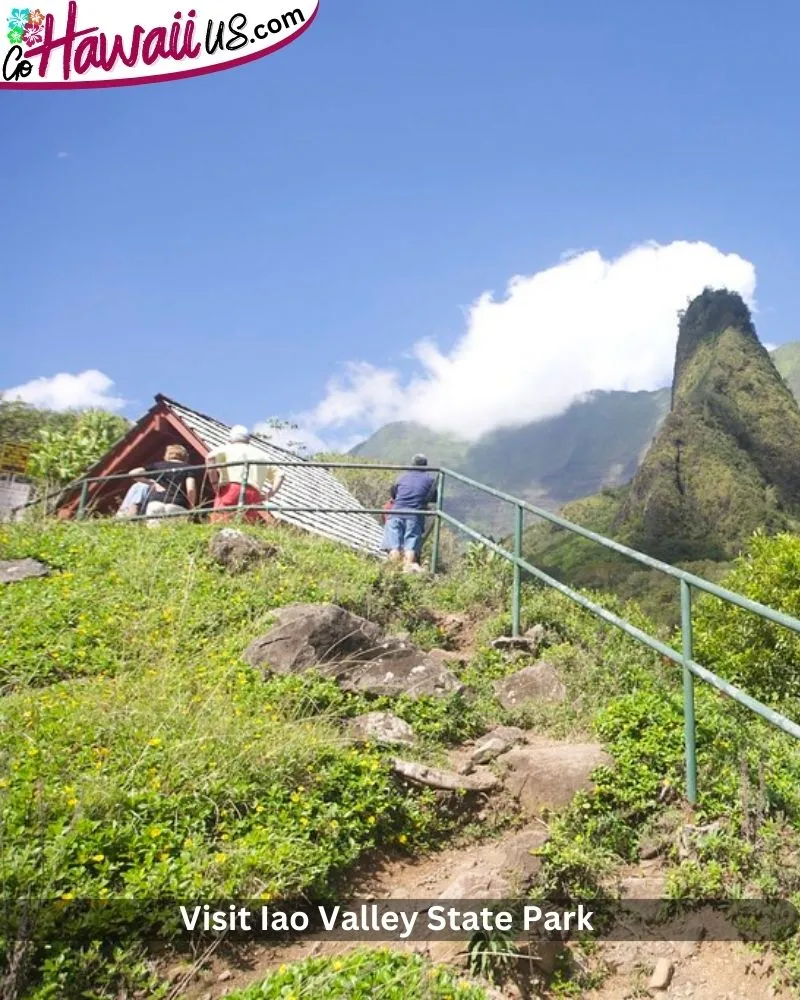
(262, 483)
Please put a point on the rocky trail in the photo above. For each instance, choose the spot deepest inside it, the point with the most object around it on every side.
(509, 773)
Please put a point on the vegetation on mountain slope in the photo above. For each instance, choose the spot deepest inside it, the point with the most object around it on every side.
(725, 463)
(786, 359)
(398, 442)
(727, 459)
(140, 756)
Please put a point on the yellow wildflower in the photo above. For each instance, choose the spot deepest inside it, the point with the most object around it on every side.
(155, 831)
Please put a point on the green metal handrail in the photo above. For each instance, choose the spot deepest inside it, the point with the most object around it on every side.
(687, 581)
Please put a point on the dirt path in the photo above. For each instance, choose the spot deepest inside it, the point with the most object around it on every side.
(701, 970)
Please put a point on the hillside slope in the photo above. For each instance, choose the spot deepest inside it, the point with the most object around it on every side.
(144, 758)
(727, 458)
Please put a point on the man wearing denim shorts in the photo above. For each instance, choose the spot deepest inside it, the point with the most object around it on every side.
(414, 490)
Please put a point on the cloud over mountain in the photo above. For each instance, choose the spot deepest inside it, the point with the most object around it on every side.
(585, 323)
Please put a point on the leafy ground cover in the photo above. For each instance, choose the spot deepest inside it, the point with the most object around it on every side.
(363, 975)
(141, 758)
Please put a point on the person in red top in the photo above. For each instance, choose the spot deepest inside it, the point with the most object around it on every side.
(260, 484)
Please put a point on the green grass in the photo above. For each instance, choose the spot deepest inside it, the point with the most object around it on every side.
(363, 975)
(141, 758)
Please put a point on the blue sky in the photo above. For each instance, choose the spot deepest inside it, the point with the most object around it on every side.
(234, 240)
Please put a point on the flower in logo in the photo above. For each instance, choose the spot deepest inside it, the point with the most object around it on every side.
(33, 34)
(36, 17)
(15, 36)
(19, 18)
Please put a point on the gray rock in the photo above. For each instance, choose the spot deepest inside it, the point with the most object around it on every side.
(414, 674)
(14, 570)
(487, 750)
(308, 635)
(536, 634)
(514, 644)
(237, 551)
(434, 777)
(447, 657)
(537, 683)
(350, 649)
(547, 776)
(381, 727)
(496, 742)
(500, 870)
(662, 974)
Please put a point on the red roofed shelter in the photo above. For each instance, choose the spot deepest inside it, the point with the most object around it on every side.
(168, 422)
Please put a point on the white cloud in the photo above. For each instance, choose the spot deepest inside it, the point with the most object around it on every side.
(62, 156)
(87, 390)
(586, 323)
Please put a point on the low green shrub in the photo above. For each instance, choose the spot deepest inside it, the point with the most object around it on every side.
(762, 658)
(363, 975)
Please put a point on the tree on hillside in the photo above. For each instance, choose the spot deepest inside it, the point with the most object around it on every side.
(20, 422)
(62, 452)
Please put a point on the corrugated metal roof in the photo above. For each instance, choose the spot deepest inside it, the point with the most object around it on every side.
(301, 487)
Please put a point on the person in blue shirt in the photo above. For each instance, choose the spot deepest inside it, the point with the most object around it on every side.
(413, 490)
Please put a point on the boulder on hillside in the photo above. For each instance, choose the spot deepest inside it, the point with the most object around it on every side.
(496, 742)
(501, 869)
(547, 776)
(14, 570)
(308, 635)
(237, 551)
(414, 674)
(381, 727)
(448, 781)
(537, 683)
(350, 649)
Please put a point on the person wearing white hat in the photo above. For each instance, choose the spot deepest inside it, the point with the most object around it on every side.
(262, 482)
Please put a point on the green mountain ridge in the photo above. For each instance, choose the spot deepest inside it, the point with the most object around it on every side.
(724, 464)
(595, 444)
(726, 460)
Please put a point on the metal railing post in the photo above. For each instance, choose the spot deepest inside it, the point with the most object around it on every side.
(688, 694)
(84, 498)
(242, 488)
(517, 586)
(437, 523)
